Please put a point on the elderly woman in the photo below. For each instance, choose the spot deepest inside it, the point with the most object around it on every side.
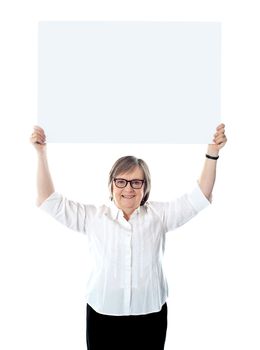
(127, 289)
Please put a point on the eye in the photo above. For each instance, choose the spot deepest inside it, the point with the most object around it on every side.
(137, 183)
(120, 183)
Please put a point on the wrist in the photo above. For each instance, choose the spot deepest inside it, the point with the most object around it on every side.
(212, 151)
(41, 153)
(212, 157)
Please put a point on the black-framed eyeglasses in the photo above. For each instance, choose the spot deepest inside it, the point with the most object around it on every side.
(135, 183)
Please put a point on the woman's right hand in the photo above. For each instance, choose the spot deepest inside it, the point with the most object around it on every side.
(38, 138)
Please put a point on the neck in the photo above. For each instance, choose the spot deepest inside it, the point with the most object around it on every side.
(127, 214)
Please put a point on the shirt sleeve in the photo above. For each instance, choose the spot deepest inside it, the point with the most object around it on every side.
(72, 214)
(176, 213)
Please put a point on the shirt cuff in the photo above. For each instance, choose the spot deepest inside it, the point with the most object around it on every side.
(198, 200)
(50, 204)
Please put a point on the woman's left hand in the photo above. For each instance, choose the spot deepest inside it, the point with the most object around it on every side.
(219, 140)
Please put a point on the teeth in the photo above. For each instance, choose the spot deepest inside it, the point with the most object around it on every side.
(128, 197)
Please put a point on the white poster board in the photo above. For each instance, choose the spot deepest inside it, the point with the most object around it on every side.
(129, 82)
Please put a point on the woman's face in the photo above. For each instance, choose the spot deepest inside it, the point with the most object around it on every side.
(128, 199)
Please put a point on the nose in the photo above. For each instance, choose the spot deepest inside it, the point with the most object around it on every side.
(128, 187)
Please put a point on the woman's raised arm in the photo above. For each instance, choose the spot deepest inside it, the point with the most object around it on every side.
(208, 175)
(45, 185)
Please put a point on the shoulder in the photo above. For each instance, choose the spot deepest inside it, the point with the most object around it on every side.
(193, 197)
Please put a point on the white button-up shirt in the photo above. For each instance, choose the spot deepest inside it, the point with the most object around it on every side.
(126, 276)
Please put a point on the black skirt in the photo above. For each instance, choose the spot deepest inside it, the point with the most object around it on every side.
(136, 332)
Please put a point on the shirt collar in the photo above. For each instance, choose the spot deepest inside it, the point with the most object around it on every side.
(116, 212)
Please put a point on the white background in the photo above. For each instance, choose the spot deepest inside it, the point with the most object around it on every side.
(212, 262)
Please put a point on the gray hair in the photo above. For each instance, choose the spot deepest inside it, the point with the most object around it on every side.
(126, 164)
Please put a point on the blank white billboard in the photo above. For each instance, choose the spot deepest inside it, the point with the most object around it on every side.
(129, 81)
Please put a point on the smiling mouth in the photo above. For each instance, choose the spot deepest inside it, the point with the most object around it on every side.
(128, 197)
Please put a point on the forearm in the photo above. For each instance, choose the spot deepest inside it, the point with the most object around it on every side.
(45, 185)
(208, 174)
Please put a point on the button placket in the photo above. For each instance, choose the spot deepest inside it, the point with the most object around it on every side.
(128, 268)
